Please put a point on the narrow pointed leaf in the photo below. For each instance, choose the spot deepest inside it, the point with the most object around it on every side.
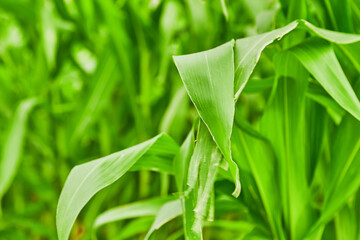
(12, 149)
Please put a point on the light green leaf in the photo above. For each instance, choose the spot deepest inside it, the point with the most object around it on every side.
(181, 161)
(344, 167)
(202, 172)
(248, 51)
(209, 80)
(332, 36)
(87, 179)
(103, 81)
(260, 159)
(168, 212)
(319, 95)
(283, 123)
(210, 159)
(148, 207)
(12, 149)
(319, 59)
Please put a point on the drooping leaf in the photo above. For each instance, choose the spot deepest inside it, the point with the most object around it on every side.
(168, 212)
(87, 179)
(319, 59)
(248, 51)
(148, 207)
(209, 80)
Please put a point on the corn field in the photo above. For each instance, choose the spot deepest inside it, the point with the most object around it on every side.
(180, 119)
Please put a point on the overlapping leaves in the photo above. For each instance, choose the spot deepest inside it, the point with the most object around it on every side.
(214, 80)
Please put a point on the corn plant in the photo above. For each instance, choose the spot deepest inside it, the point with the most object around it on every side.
(256, 138)
(286, 171)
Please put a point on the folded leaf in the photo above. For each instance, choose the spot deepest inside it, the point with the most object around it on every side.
(209, 80)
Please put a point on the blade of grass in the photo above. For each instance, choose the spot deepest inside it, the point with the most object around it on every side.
(13, 147)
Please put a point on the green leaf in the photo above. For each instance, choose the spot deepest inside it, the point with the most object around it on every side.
(182, 160)
(332, 36)
(148, 207)
(12, 149)
(344, 166)
(248, 51)
(87, 179)
(209, 162)
(319, 59)
(103, 82)
(201, 177)
(319, 95)
(283, 123)
(260, 158)
(346, 224)
(168, 212)
(209, 80)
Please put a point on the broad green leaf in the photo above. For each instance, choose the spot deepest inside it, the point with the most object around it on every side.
(248, 50)
(87, 179)
(148, 207)
(12, 149)
(283, 124)
(209, 80)
(154, 163)
(168, 212)
(319, 59)
(260, 158)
